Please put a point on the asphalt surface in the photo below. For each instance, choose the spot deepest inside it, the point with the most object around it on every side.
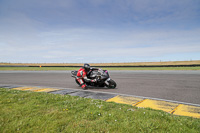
(183, 86)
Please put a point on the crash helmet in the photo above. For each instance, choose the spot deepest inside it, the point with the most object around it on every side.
(86, 67)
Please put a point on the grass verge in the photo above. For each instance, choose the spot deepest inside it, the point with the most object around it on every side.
(105, 68)
(25, 111)
(191, 62)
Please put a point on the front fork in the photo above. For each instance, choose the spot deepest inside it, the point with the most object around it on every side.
(107, 81)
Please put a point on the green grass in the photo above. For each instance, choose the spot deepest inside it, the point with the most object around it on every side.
(107, 68)
(25, 111)
(153, 68)
(37, 68)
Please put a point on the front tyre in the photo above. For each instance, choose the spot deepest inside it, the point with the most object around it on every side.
(112, 84)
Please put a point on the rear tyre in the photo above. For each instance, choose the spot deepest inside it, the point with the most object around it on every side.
(112, 84)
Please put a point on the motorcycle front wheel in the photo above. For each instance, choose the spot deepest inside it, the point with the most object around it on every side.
(112, 84)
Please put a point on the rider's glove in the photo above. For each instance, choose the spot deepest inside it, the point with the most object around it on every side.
(94, 80)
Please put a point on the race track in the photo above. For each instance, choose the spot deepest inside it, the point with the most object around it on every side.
(183, 86)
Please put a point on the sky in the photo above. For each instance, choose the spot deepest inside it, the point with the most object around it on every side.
(99, 31)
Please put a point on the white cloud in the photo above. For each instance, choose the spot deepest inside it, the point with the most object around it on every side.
(86, 43)
(104, 30)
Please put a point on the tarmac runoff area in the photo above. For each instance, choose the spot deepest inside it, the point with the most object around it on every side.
(172, 107)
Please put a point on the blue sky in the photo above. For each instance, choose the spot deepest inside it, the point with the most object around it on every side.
(99, 31)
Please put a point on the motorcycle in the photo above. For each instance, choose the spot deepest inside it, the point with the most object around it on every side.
(102, 77)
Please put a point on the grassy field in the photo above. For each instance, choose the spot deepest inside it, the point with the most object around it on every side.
(25, 111)
(43, 68)
(105, 68)
(195, 62)
(37, 68)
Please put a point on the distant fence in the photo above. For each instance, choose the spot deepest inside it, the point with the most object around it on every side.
(110, 66)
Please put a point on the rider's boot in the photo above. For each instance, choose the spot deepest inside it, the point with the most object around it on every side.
(84, 87)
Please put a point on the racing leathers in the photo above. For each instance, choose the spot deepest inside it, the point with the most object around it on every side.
(82, 76)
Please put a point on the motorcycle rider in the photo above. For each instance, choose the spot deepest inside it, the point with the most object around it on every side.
(82, 74)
